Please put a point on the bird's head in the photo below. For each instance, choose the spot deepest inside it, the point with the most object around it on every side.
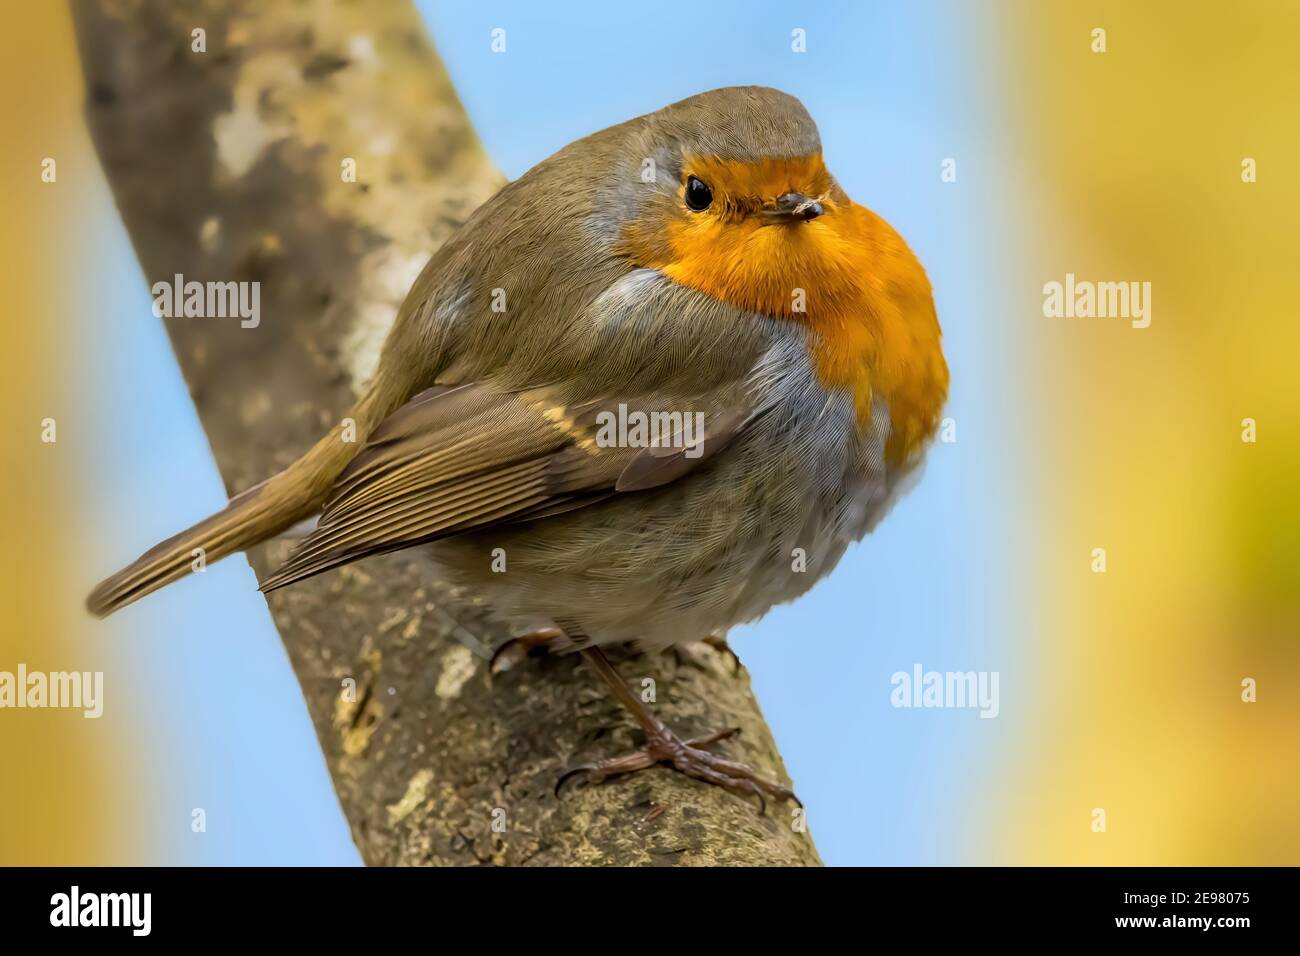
(735, 201)
(738, 203)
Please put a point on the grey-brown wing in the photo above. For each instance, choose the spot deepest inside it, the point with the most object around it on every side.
(453, 460)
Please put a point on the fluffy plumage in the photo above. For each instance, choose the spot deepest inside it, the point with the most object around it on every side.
(810, 348)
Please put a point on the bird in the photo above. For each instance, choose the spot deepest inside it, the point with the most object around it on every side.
(666, 377)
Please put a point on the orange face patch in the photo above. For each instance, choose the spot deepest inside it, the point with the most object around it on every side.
(742, 187)
(847, 274)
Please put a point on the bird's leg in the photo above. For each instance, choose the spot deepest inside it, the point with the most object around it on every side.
(664, 746)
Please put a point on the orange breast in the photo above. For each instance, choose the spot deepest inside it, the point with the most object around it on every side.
(850, 276)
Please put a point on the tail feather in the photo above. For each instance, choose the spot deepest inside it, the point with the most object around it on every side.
(254, 516)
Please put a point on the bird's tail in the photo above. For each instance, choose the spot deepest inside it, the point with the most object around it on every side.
(259, 513)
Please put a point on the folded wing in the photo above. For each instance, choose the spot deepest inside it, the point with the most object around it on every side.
(454, 460)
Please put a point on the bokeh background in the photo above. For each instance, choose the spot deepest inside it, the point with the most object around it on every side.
(1119, 691)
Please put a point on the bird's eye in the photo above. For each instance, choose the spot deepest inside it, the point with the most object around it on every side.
(698, 195)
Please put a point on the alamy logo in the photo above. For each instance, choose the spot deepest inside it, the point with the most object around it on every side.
(1081, 299)
(73, 690)
(946, 689)
(637, 429)
(103, 909)
(208, 300)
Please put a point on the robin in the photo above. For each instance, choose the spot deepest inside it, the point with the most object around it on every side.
(664, 379)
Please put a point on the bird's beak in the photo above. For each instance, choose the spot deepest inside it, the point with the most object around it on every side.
(793, 207)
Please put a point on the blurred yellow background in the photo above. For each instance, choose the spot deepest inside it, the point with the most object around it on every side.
(61, 800)
(1132, 162)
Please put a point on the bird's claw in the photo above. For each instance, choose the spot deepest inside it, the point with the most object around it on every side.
(690, 758)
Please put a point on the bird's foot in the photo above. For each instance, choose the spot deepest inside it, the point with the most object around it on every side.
(688, 757)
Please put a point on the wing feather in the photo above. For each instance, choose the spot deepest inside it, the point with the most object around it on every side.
(454, 460)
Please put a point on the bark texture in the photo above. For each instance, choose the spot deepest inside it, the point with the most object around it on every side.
(230, 164)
